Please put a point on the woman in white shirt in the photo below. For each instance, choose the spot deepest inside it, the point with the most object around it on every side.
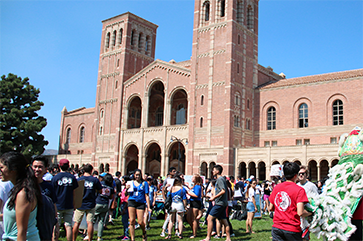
(251, 205)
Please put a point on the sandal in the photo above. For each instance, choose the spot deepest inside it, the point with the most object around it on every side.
(168, 237)
(144, 236)
(180, 236)
(192, 236)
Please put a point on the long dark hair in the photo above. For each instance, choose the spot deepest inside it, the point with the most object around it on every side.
(25, 178)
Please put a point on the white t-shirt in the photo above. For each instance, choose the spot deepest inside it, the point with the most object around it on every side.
(251, 193)
(310, 188)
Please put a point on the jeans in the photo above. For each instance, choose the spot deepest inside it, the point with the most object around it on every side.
(100, 214)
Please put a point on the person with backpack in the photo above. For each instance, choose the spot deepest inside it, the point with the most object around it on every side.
(138, 202)
(20, 210)
(47, 219)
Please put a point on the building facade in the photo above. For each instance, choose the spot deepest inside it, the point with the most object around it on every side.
(219, 107)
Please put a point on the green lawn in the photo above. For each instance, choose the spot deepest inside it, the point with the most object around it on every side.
(262, 227)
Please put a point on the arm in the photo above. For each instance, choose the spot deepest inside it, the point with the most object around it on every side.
(272, 207)
(22, 213)
(301, 211)
(254, 203)
(218, 195)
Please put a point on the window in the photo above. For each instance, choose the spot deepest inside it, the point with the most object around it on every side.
(159, 117)
(81, 134)
(113, 43)
(116, 84)
(206, 11)
(237, 99)
(140, 41)
(250, 18)
(267, 143)
(298, 142)
(248, 124)
(333, 140)
(338, 112)
(306, 141)
(222, 8)
(101, 114)
(237, 68)
(201, 122)
(101, 130)
(240, 12)
(239, 39)
(108, 39)
(248, 104)
(271, 118)
(274, 143)
(303, 116)
(68, 137)
(202, 100)
(180, 115)
(147, 42)
(236, 121)
(132, 37)
(120, 36)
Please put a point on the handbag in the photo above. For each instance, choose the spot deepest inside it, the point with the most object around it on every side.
(167, 204)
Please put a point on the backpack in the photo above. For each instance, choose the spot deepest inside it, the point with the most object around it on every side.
(46, 218)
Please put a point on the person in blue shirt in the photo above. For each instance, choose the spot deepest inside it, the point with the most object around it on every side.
(138, 201)
(196, 195)
(91, 186)
(152, 196)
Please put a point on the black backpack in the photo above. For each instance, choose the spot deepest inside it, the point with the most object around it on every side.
(46, 218)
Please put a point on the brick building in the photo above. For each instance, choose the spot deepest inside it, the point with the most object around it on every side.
(220, 106)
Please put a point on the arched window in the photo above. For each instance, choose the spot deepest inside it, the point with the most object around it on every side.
(303, 116)
(68, 137)
(222, 8)
(132, 37)
(248, 124)
(108, 39)
(236, 121)
(114, 38)
(250, 17)
(180, 115)
(140, 41)
(338, 113)
(202, 100)
(81, 134)
(159, 116)
(239, 39)
(240, 12)
(201, 122)
(107, 167)
(101, 114)
(206, 11)
(248, 104)
(147, 42)
(120, 36)
(237, 99)
(271, 118)
(101, 130)
(237, 68)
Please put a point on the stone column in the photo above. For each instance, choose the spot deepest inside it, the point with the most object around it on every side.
(318, 171)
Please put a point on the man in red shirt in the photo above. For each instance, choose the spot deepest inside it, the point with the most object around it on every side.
(287, 200)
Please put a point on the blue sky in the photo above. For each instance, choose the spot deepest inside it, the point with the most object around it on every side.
(57, 43)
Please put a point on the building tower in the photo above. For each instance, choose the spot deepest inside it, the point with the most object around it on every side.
(127, 46)
(224, 75)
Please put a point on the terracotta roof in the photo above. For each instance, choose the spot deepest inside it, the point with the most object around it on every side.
(315, 78)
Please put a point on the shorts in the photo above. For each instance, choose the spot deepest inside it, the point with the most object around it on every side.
(137, 205)
(67, 216)
(78, 215)
(218, 212)
(196, 204)
(282, 235)
(265, 197)
(177, 207)
(250, 207)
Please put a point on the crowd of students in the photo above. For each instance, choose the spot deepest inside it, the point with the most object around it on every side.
(134, 196)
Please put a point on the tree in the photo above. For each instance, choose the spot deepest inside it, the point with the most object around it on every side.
(19, 121)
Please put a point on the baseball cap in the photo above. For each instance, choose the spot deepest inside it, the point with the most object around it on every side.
(103, 174)
(149, 178)
(63, 162)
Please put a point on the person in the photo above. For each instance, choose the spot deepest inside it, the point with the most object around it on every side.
(311, 191)
(251, 205)
(102, 200)
(91, 186)
(152, 197)
(20, 209)
(138, 198)
(117, 180)
(124, 208)
(40, 165)
(196, 195)
(64, 185)
(266, 195)
(221, 202)
(5, 188)
(168, 182)
(178, 205)
(287, 200)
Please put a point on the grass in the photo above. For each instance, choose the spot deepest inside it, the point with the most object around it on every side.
(261, 226)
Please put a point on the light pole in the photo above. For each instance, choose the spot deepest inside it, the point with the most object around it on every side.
(172, 139)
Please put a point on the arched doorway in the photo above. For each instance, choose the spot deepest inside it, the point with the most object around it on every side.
(275, 162)
(132, 158)
(262, 171)
(177, 156)
(252, 169)
(324, 169)
(134, 111)
(313, 171)
(179, 108)
(298, 162)
(210, 169)
(153, 160)
(242, 170)
(203, 169)
(156, 104)
(334, 162)
(101, 168)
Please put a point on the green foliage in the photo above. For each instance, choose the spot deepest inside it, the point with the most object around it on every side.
(19, 121)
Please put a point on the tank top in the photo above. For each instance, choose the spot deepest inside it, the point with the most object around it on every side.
(11, 229)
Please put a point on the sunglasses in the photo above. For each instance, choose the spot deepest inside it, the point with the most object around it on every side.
(302, 173)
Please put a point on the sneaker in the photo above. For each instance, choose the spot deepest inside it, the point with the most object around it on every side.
(99, 239)
(137, 226)
(176, 233)
(162, 234)
(126, 238)
(86, 238)
(216, 236)
(232, 235)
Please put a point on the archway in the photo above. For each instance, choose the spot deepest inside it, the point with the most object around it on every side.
(203, 169)
(242, 170)
(252, 169)
(101, 168)
(107, 167)
(324, 169)
(313, 171)
(262, 171)
(156, 104)
(211, 165)
(134, 111)
(132, 158)
(153, 160)
(334, 162)
(179, 108)
(298, 162)
(275, 162)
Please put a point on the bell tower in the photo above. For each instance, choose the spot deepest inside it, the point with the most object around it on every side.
(224, 75)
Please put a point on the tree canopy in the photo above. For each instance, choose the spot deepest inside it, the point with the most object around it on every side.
(19, 122)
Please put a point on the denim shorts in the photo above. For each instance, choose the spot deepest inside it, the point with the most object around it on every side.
(219, 212)
(250, 207)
